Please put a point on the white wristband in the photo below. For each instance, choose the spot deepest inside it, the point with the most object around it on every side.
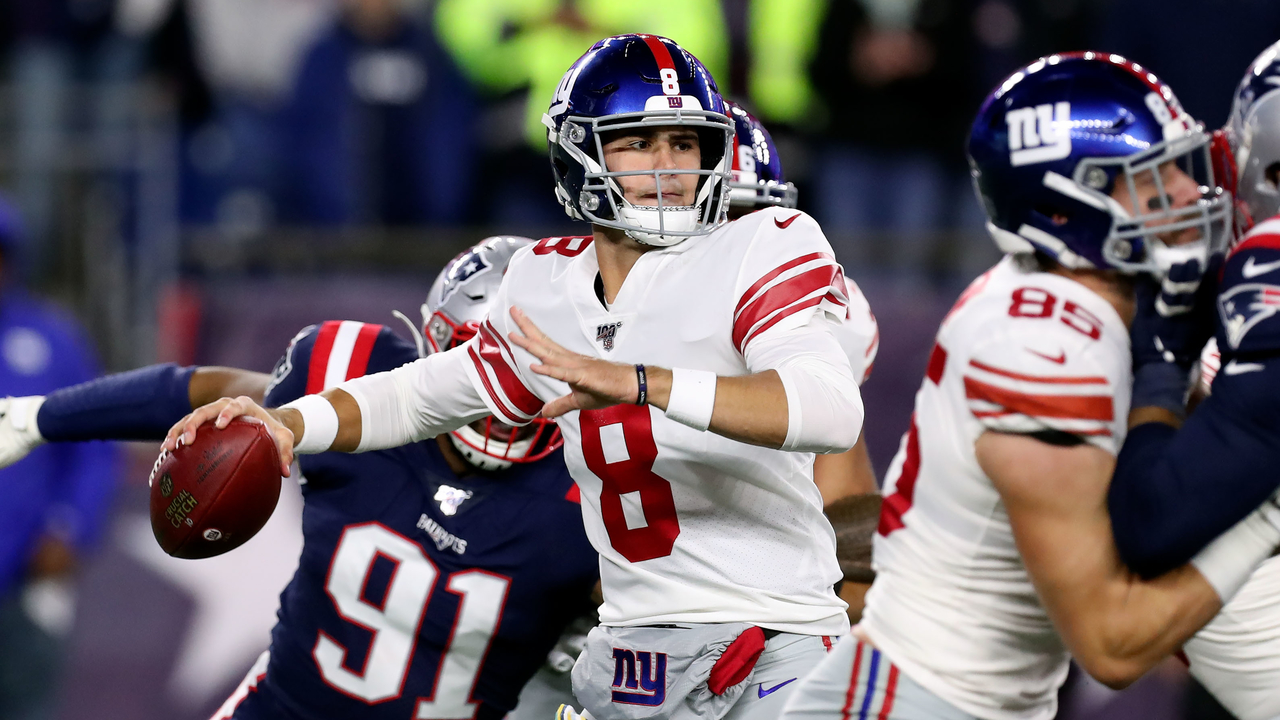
(319, 424)
(1227, 562)
(693, 397)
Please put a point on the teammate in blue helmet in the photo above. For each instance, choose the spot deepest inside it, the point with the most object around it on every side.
(1059, 155)
(996, 563)
(757, 179)
(1180, 483)
(435, 578)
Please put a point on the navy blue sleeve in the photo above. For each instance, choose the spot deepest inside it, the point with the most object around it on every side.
(321, 356)
(1176, 490)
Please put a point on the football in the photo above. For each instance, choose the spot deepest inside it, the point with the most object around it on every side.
(214, 494)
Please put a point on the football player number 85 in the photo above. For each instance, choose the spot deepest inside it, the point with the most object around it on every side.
(395, 623)
(636, 504)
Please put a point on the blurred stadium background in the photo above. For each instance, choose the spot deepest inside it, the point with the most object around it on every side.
(198, 179)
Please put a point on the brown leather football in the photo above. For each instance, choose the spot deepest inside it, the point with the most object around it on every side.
(213, 495)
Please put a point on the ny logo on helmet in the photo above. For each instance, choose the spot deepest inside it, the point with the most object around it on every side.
(1039, 134)
(648, 683)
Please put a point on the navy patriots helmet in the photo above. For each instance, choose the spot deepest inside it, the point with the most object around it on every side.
(458, 302)
(624, 83)
(1253, 137)
(757, 170)
(1056, 143)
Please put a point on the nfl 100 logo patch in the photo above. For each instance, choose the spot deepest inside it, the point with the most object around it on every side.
(607, 333)
(639, 678)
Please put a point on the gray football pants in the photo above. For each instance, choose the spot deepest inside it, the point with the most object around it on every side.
(857, 682)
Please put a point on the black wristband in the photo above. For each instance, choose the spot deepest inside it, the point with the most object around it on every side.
(643, 396)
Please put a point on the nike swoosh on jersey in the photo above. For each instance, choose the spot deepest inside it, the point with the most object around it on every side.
(1061, 358)
(761, 691)
(1253, 270)
(1239, 368)
(784, 224)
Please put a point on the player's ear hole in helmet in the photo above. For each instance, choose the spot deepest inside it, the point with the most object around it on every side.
(459, 301)
(637, 83)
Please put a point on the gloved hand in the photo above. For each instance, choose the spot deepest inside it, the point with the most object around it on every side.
(19, 434)
(565, 712)
(1173, 319)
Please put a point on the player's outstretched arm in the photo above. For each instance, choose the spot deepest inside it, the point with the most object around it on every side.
(419, 400)
(1116, 624)
(757, 409)
(136, 405)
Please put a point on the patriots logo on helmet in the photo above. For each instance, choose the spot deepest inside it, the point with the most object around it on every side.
(465, 267)
(1244, 307)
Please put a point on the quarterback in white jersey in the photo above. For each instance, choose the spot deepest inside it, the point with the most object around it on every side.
(692, 380)
(995, 558)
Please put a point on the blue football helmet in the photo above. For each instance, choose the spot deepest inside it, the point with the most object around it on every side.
(1253, 137)
(628, 82)
(1052, 142)
(757, 170)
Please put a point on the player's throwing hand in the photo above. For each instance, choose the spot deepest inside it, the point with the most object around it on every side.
(222, 412)
(594, 383)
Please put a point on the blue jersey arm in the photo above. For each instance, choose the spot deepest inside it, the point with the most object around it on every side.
(1176, 490)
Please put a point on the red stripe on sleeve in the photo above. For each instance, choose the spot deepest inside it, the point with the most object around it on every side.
(937, 364)
(893, 507)
(660, 52)
(491, 347)
(505, 413)
(359, 362)
(1046, 379)
(320, 356)
(1070, 407)
(783, 295)
(768, 278)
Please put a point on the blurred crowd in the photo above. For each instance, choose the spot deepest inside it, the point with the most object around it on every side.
(339, 113)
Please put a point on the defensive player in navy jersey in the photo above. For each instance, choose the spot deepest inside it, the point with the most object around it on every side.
(435, 577)
(1178, 483)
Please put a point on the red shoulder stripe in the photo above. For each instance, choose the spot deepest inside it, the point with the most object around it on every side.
(750, 294)
(904, 492)
(363, 349)
(1073, 407)
(1269, 241)
(320, 351)
(784, 297)
(1046, 379)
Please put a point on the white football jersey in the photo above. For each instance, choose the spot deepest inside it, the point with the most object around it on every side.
(691, 526)
(952, 604)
